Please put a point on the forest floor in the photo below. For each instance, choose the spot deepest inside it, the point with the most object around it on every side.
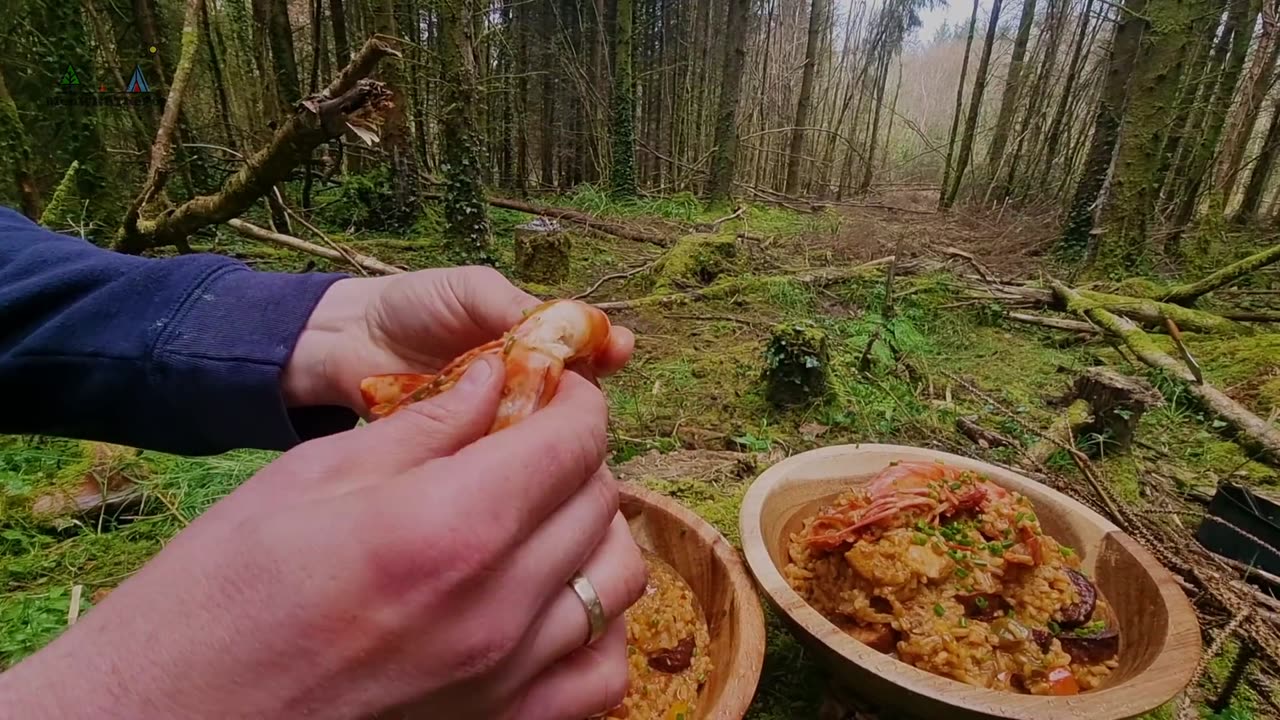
(690, 416)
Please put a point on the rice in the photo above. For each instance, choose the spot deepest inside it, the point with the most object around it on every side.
(953, 575)
(667, 648)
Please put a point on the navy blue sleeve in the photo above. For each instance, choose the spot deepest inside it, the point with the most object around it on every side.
(180, 355)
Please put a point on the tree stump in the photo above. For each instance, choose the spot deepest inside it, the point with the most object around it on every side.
(695, 261)
(796, 364)
(1105, 403)
(542, 251)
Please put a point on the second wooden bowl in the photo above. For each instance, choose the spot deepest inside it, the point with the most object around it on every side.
(1159, 633)
(716, 574)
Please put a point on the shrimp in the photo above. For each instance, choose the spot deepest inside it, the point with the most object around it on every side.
(534, 352)
(934, 489)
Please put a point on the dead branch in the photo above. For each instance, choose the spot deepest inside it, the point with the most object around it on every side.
(1051, 322)
(1255, 429)
(350, 101)
(1189, 293)
(361, 261)
(1150, 313)
(981, 436)
(1264, 317)
(615, 276)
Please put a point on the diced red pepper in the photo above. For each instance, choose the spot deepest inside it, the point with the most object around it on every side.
(1062, 682)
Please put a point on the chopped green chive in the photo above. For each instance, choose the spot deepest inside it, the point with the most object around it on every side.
(939, 610)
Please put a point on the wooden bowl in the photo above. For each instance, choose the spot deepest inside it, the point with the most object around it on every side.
(715, 572)
(1159, 633)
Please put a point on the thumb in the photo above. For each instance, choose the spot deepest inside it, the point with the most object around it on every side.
(448, 422)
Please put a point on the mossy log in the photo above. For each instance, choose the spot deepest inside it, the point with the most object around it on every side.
(1189, 293)
(1255, 430)
(348, 100)
(1150, 313)
(695, 261)
(797, 360)
(542, 252)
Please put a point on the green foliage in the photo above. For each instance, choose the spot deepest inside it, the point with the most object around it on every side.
(65, 208)
(695, 260)
(366, 201)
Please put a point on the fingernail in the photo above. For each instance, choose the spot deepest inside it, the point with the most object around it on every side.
(477, 376)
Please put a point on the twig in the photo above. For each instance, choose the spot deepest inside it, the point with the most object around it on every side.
(615, 276)
(73, 611)
(1056, 323)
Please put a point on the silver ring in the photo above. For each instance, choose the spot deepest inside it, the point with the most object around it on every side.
(586, 592)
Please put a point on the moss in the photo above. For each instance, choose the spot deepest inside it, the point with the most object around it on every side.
(64, 207)
(541, 256)
(796, 364)
(718, 504)
(694, 260)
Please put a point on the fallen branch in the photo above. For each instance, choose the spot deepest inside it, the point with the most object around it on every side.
(1189, 293)
(1257, 430)
(612, 228)
(981, 436)
(1055, 323)
(361, 261)
(729, 288)
(616, 276)
(350, 101)
(1266, 317)
(1148, 312)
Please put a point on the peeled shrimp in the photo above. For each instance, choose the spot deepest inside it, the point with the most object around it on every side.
(534, 352)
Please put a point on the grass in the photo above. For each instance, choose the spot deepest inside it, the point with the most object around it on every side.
(696, 380)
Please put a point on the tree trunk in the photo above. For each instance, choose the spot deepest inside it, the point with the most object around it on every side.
(1253, 192)
(955, 116)
(817, 20)
(1125, 47)
(341, 46)
(1012, 88)
(1244, 115)
(547, 144)
(280, 40)
(466, 214)
(735, 50)
(16, 151)
(1053, 139)
(1244, 15)
(975, 107)
(1123, 246)
(622, 176)
(882, 78)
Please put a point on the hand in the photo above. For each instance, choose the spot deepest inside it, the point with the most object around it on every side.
(413, 565)
(415, 322)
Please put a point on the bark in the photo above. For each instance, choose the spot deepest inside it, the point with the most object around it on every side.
(466, 216)
(1106, 129)
(1261, 173)
(955, 116)
(1244, 114)
(1123, 245)
(1263, 436)
(282, 54)
(1012, 88)
(975, 107)
(396, 140)
(15, 148)
(735, 50)
(320, 119)
(622, 176)
(1189, 293)
(1153, 313)
(547, 103)
(868, 165)
(817, 21)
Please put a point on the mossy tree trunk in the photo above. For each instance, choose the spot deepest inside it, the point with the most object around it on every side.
(1125, 46)
(622, 176)
(466, 214)
(1242, 19)
(15, 151)
(396, 140)
(1012, 89)
(726, 152)
(817, 21)
(1123, 247)
(975, 108)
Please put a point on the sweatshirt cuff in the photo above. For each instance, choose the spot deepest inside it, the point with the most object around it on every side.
(223, 353)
